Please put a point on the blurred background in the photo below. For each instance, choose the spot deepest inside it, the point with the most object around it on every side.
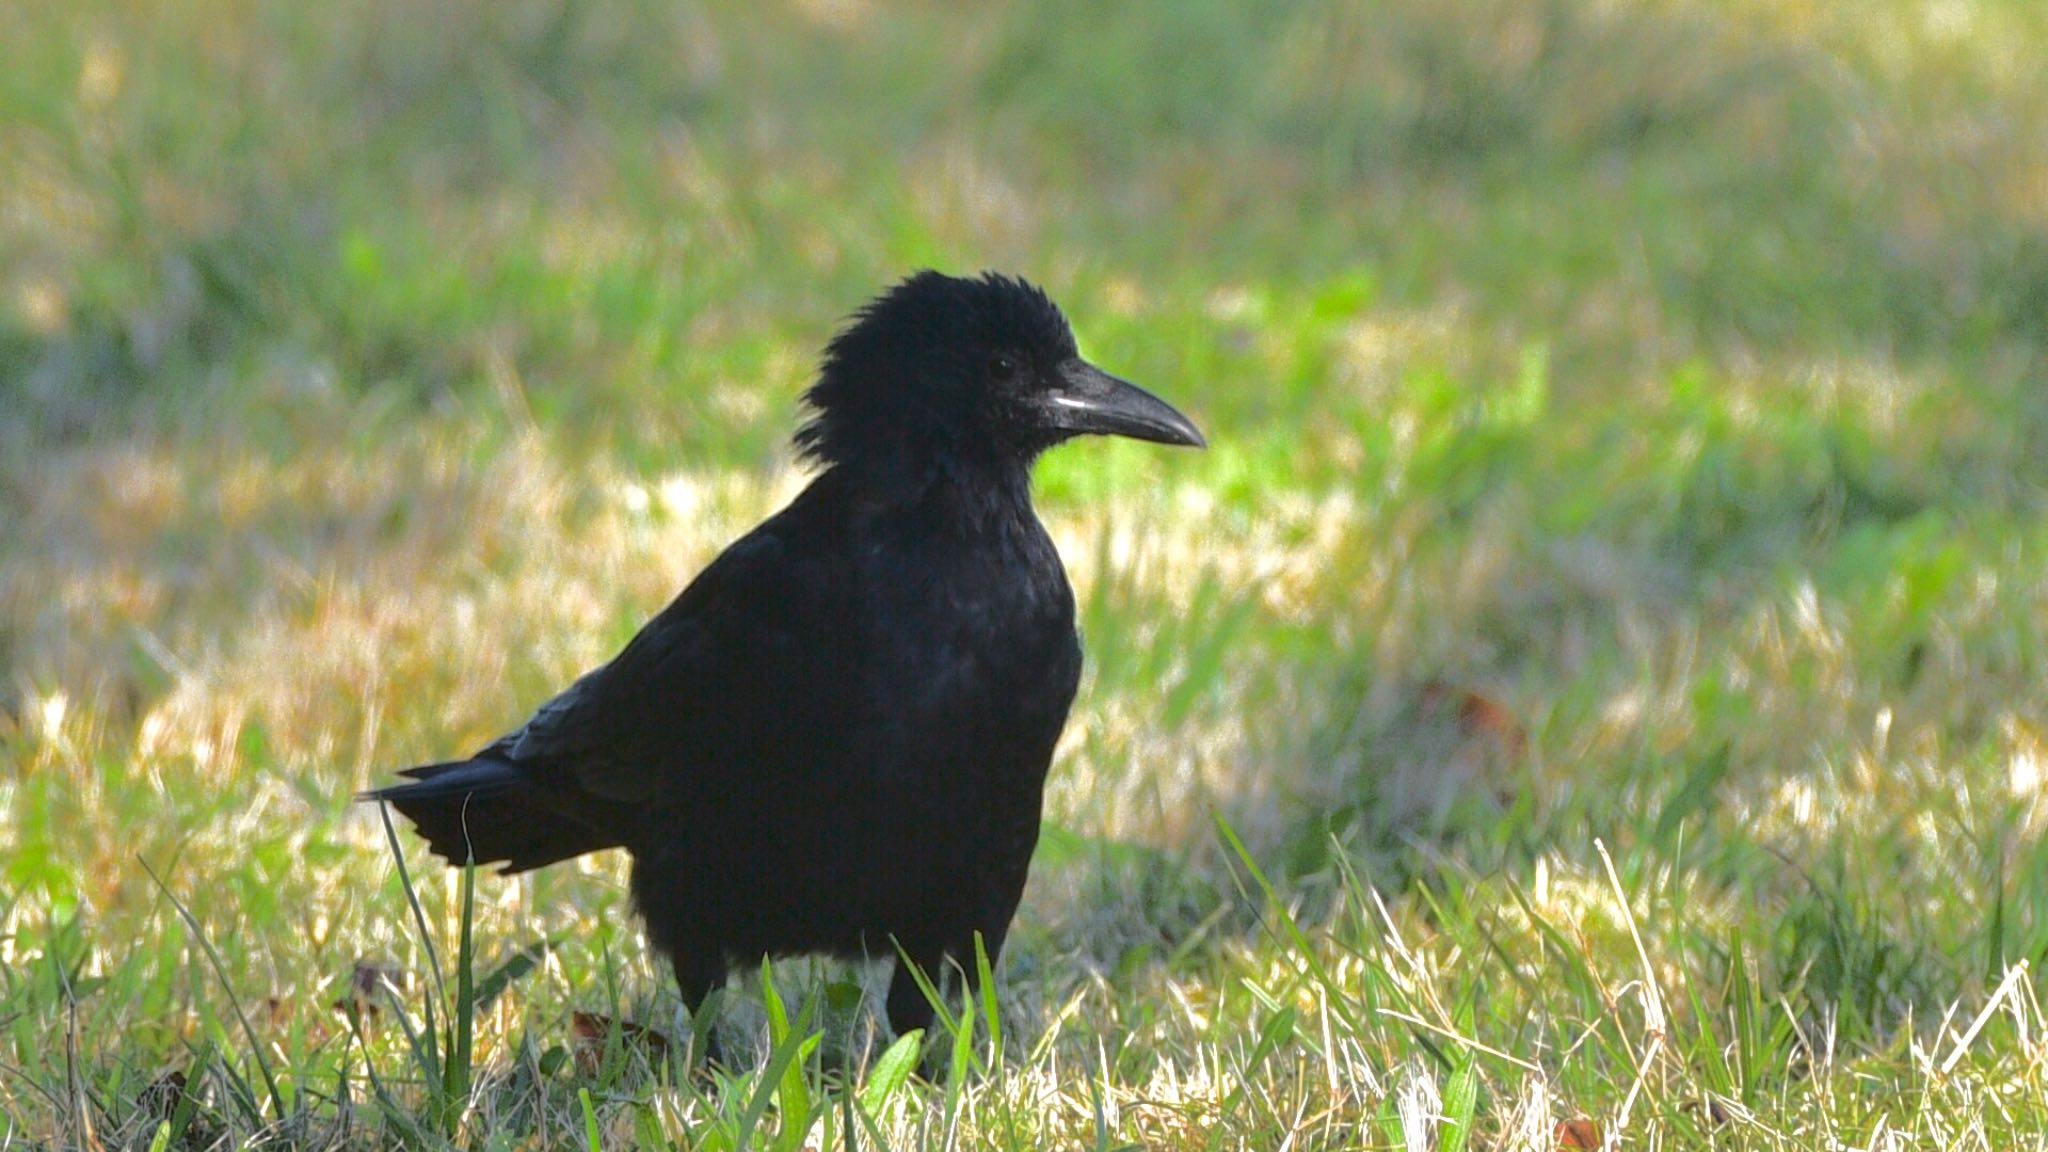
(1626, 423)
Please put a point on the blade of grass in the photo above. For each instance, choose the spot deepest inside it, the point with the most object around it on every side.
(941, 1012)
(891, 1072)
(1461, 1092)
(985, 982)
(792, 1094)
(1277, 1028)
(419, 919)
(509, 969)
(591, 1143)
(412, 899)
(220, 970)
(779, 1059)
(455, 1074)
(1296, 936)
(394, 1112)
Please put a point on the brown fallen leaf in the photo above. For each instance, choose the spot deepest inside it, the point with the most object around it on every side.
(1717, 1113)
(366, 981)
(159, 1099)
(588, 1032)
(1578, 1132)
(1478, 716)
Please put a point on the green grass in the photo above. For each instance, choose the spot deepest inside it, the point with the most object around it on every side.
(1596, 672)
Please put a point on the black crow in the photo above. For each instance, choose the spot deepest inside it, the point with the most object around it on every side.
(836, 739)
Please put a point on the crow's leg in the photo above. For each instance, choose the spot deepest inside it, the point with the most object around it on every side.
(908, 1008)
(698, 975)
(991, 922)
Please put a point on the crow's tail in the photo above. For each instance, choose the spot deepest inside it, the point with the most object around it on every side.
(488, 811)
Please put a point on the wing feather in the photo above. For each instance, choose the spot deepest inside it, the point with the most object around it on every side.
(713, 686)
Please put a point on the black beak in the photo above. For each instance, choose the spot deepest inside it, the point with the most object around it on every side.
(1084, 398)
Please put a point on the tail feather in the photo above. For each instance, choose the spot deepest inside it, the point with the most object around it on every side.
(452, 778)
(488, 811)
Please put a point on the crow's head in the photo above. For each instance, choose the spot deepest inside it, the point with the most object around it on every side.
(942, 371)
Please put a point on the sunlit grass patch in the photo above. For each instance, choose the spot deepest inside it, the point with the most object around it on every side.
(1625, 447)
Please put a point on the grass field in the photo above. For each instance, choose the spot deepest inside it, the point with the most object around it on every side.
(1591, 693)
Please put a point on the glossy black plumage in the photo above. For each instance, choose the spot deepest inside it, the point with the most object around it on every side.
(836, 738)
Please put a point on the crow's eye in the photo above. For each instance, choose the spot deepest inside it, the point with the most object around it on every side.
(1002, 367)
